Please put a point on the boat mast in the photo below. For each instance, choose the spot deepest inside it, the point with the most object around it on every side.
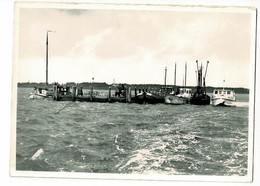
(199, 74)
(47, 58)
(185, 73)
(204, 84)
(175, 76)
(47, 55)
(183, 81)
(165, 77)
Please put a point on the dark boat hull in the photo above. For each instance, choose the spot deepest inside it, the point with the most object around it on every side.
(117, 99)
(150, 98)
(200, 100)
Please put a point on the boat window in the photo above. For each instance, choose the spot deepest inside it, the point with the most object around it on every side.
(224, 92)
(228, 92)
(216, 92)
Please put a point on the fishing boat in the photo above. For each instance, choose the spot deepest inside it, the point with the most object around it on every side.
(200, 96)
(146, 96)
(184, 93)
(181, 95)
(223, 97)
(39, 93)
(149, 97)
(174, 100)
(43, 92)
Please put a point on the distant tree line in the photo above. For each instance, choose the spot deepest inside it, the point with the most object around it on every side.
(103, 85)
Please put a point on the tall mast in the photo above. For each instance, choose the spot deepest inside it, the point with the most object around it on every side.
(185, 74)
(47, 55)
(175, 76)
(205, 74)
(165, 77)
(204, 83)
(183, 81)
(47, 58)
(200, 76)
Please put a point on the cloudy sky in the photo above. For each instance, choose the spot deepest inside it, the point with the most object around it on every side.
(134, 46)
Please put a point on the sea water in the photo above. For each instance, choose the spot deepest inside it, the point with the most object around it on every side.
(131, 138)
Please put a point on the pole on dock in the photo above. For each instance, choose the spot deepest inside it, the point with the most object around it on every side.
(109, 94)
(73, 93)
(91, 93)
(55, 92)
(129, 94)
(135, 93)
(126, 94)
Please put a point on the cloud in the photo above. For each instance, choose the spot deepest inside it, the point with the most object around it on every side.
(135, 46)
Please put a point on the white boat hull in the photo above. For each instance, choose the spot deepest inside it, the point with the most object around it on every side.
(222, 102)
(175, 100)
(37, 96)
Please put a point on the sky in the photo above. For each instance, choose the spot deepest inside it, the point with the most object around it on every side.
(135, 46)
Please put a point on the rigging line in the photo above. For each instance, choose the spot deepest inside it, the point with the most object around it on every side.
(62, 108)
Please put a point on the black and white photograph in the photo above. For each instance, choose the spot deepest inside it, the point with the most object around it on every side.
(152, 92)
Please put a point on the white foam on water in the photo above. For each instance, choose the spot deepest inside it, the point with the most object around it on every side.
(71, 145)
(116, 137)
(117, 146)
(57, 135)
(139, 158)
(241, 104)
(37, 154)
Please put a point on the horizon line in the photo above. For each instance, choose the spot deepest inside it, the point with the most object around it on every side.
(135, 84)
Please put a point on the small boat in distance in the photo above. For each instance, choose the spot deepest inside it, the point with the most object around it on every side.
(223, 97)
(39, 93)
(45, 92)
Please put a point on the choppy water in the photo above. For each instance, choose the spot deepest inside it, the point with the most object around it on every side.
(131, 138)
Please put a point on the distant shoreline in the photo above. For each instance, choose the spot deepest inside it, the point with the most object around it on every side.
(104, 86)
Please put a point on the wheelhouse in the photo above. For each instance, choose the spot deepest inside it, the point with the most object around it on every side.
(223, 93)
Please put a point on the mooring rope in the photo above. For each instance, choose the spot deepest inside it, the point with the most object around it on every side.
(63, 108)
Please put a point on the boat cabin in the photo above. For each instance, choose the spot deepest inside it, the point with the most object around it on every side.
(42, 91)
(166, 90)
(184, 91)
(223, 93)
